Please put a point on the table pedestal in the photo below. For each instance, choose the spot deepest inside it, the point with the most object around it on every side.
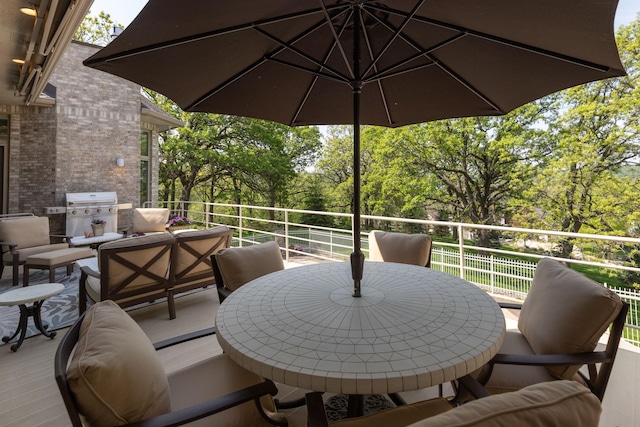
(36, 294)
(25, 313)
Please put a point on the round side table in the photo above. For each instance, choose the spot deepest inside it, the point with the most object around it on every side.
(36, 294)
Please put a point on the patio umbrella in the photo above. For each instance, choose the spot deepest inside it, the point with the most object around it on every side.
(383, 62)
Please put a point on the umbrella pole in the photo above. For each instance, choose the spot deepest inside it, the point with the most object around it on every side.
(357, 257)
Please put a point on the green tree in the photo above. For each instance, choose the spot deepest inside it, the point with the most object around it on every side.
(474, 166)
(596, 133)
(96, 29)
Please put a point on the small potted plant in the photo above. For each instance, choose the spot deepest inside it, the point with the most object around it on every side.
(179, 223)
(97, 225)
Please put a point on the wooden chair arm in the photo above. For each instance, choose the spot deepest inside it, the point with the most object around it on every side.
(316, 414)
(90, 272)
(10, 246)
(184, 338)
(210, 407)
(551, 359)
(63, 237)
(510, 305)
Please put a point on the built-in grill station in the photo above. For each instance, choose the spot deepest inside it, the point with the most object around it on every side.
(81, 208)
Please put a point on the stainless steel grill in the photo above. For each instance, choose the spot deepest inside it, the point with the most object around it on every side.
(83, 207)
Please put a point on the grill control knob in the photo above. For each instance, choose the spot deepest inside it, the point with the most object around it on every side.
(74, 212)
(87, 211)
(111, 210)
(98, 210)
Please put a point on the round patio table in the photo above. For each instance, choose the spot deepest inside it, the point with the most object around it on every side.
(413, 328)
(36, 294)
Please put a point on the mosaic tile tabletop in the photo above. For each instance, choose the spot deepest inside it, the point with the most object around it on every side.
(412, 328)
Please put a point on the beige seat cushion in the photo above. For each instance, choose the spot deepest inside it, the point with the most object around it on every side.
(554, 404)
(241, 265)
(115, 375)
(565, 312)
(25, 232)
(399, 247)
(506, 378)
(24, 253)
(212, 378)
(149, 220)
(59, 256)
(399, 417)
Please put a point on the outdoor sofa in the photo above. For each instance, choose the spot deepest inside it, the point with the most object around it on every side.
(143, 269)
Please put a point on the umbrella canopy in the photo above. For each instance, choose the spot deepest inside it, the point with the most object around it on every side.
(383, 62)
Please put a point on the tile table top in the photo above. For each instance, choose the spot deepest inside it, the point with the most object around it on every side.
(31, 293)
(413, 327)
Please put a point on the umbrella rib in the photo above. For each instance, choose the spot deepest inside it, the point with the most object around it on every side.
(206, 35)
(315, 77)
(327, 17)
(288, 46)
(387, 72)
(383, 96)
(308, 70)
(251, 68)
(434, 61)
(470, 87)
(506, 42)
(396, 33)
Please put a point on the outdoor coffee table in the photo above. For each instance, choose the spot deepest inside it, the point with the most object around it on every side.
(36, 294)
(95, 241)
(413, 328)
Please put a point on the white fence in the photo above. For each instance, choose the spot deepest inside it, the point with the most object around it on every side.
(498, 271)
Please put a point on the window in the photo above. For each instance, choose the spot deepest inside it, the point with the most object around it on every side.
(144, 167)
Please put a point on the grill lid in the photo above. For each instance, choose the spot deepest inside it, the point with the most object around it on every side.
(94, 198)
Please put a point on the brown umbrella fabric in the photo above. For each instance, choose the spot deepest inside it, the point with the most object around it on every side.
(297, 61)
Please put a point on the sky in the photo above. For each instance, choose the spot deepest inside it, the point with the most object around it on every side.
(123, 11)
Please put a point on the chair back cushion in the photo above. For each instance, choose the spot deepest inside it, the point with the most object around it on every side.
(565, 312)
(151, 254)
(193, 250)
(150, 220)
(399, 247)
(552, 404)
(241, 265)
(115, 375)
(25, 232)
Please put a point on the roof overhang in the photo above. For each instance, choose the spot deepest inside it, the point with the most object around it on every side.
(39, 41)
(153, 114)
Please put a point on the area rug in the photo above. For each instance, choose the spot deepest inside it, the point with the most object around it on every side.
(336, 406)
(58, 311)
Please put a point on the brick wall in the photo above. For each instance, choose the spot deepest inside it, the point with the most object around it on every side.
(73, 146)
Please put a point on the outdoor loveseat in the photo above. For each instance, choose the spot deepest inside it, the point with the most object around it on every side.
(23, 236)
(143, 269)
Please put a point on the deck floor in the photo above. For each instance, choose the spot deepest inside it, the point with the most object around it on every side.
(29, 396)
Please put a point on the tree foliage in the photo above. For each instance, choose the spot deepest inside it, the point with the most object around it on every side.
(96, 29)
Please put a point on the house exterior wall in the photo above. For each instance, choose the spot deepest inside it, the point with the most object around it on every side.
(98, 121)
(73, 145)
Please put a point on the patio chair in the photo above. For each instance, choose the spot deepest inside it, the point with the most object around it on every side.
(191, 259)
(109, 373)
(234, 267)
(148, 220)
(131, 271)
(557, 404)
(23, 236)
(560, 323)
(400, 247)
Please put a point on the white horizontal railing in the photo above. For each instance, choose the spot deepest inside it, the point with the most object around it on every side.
(499, 271)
